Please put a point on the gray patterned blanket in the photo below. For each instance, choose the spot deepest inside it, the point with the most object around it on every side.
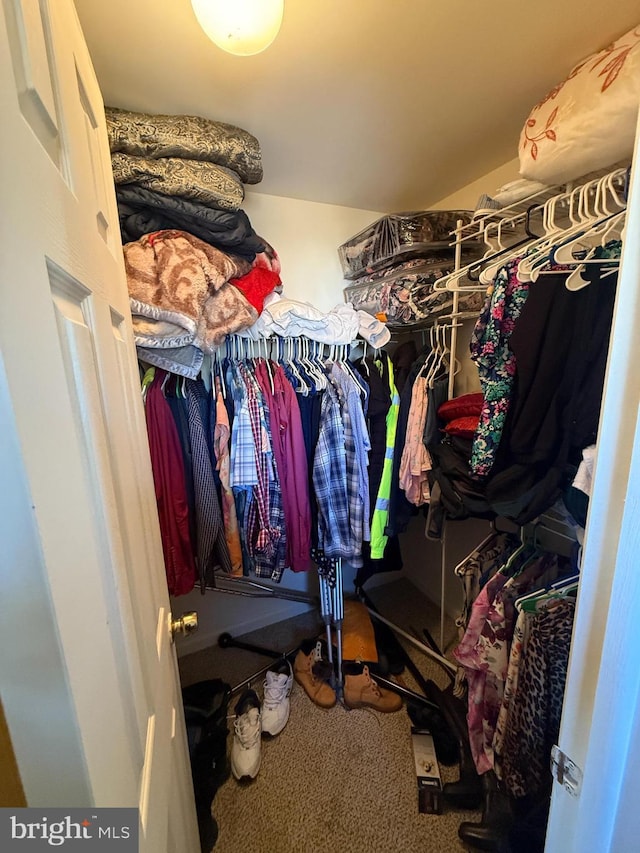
(193, 179)
(185, 136)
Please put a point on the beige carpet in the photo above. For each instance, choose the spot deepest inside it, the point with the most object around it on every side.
(334, 781)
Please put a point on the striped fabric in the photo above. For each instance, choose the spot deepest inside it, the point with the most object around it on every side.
(211, 546)
(263, 537)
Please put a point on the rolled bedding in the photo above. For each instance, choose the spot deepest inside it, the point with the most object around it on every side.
(185, 136)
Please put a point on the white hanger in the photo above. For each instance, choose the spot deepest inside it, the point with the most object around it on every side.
(553, 225)
(303, 387)
(588, 233)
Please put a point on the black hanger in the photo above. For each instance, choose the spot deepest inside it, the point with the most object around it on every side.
(531, 235)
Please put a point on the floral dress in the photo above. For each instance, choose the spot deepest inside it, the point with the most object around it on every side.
(480, 654)
(496, 363)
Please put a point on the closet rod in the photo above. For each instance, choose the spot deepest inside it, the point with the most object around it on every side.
(254, 589)
(411, 639)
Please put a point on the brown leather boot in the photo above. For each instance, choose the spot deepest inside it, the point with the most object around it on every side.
(361, 691)
(316, 689)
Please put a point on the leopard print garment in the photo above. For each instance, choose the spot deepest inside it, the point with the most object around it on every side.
(534, 722)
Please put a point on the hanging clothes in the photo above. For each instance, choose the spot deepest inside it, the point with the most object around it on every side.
(484, 649)
(290, 459)
(211, 545)
(381, 511)
(221, 436)
(416, 461)
(171, 496)
(330, 479)
(357, 448)
(266, 536)
(496, 363)
(534, 721)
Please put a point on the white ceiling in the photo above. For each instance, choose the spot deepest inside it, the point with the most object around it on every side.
(384, 105)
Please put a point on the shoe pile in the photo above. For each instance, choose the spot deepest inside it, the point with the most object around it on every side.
(255, 720)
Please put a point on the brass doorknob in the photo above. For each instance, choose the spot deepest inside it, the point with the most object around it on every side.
(186, 624)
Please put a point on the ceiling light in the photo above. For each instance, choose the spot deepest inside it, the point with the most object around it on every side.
(243, 27)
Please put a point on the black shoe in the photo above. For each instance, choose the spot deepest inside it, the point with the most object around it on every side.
(208, 829)
(492, 833)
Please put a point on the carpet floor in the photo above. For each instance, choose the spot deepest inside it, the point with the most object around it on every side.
(333, 781)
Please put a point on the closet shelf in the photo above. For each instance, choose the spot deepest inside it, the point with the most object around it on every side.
(531, 220)
(517, 211)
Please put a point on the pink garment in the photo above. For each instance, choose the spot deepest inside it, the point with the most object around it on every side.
(518, 645)
(485, 685)
(416, 460)
(221, 435)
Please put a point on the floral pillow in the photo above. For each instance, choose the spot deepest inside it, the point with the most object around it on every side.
(587, 122)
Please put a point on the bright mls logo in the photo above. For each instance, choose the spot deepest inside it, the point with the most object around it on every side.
(83, 830)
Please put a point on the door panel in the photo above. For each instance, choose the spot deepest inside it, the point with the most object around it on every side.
(83, 562)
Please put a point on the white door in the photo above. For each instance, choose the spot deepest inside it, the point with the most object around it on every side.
(600, 729)
(88, 673)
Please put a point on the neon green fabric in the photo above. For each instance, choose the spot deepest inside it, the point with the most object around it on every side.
(381, 510)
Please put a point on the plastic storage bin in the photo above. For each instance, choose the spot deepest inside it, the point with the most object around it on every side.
(403, 295)
(397, 238)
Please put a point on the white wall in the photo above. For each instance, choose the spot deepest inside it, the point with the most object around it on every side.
(306, 236)
(466, 197)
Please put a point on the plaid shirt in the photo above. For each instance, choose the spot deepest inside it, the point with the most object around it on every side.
(243, 471)
(265, 516)
(357, 447)
(330, 480)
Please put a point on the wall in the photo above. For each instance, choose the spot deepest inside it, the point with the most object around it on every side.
(466, 197)
(306, 236)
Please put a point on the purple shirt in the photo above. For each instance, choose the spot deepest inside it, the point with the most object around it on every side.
(291, 462)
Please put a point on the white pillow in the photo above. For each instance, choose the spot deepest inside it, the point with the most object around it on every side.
(587, 122)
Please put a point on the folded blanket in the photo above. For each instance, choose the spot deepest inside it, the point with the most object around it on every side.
(143, 211)
(180, 284)
(172, 272)
(160, 334)
(225, 312)
(184, 361)
(191, 137)
(193, 179)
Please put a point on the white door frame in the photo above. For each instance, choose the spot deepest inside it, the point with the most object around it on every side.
(601, 713)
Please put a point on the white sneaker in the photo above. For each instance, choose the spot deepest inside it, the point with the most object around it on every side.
(245, 750)
(275, 705)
